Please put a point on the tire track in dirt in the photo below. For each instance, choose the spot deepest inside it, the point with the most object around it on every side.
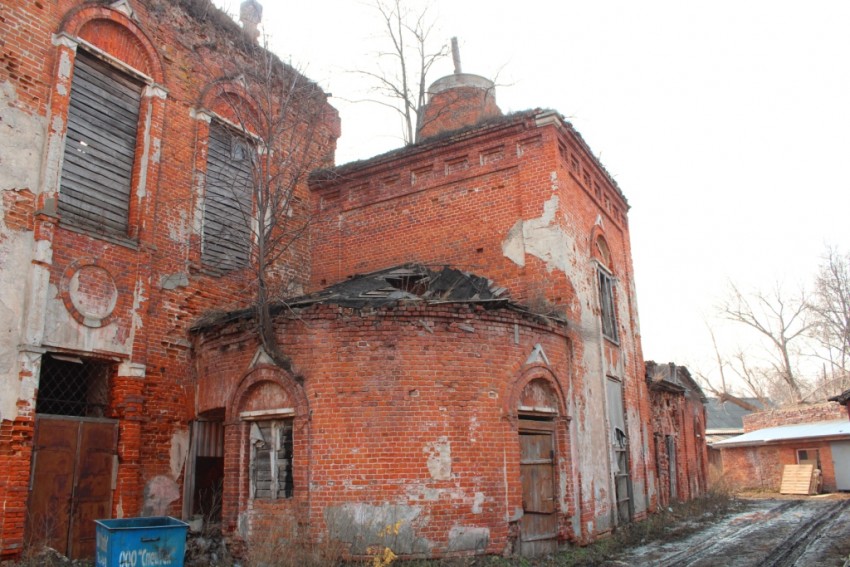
(714, 541)
(790, 550)
(800, 532)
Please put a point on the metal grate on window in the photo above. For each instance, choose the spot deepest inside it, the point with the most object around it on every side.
(73, 386)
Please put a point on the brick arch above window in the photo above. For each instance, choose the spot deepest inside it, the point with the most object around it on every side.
(229, 99)
(532, 377)
(116, 34)
(250, 391)
(600, 250)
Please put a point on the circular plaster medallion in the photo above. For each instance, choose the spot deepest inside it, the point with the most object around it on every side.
(93, 294)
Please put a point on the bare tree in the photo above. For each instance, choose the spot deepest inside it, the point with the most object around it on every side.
(780, 320)
(401, 76)
(282, 131)
(723, 390)
(830, 311)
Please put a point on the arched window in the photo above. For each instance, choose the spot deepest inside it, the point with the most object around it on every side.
(100, 146)
(228, 200)
(607, 303)
(111, 101)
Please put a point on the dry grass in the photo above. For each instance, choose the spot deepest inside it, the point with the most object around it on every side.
(288, 545)
(674, 522)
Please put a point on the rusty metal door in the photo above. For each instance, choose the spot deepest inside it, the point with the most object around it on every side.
(71, 483)
(539, 523)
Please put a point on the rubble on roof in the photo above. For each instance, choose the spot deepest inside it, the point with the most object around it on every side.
(408, 283)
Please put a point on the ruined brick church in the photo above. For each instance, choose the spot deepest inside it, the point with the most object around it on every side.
(459, 316)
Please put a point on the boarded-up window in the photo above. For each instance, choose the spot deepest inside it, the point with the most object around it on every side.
(606, 298)
(100, 147)
(228, 211)
(271, 459)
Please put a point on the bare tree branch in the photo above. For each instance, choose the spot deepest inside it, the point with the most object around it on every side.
(404, 81)
(830, 310)
(781, 320)
(282, 118)
(723, 393)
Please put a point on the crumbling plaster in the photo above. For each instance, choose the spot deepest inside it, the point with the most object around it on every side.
(363, 525)
(21, 145)
(62, 330)
(548, 238)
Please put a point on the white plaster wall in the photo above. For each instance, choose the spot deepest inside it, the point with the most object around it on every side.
(549, 237)
(21, 146)
(62, 330)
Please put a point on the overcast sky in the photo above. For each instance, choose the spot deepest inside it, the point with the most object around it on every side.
(725, 123)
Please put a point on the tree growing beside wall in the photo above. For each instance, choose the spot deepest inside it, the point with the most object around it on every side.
(274, 129)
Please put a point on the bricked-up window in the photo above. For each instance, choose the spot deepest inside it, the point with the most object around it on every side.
(73, 386)
(100, 147)
(228, 203)
(271, 459)
(606, 298)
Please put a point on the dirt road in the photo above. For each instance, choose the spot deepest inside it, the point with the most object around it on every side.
(806, 532)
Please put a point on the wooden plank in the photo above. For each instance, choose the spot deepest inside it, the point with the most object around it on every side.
(228, 204)
(797, 479)
(96, 175)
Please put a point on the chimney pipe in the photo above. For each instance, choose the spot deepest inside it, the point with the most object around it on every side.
(456, 56)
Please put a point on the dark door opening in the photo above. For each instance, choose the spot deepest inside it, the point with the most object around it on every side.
(204, 478)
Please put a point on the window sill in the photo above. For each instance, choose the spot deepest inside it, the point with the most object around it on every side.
(120, 240)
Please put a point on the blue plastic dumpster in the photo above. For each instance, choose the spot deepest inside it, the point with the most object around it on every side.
(140, 542)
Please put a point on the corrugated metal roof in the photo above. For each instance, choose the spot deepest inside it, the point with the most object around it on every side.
(789, 432)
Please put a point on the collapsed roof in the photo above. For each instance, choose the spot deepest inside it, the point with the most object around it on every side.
(408, 283)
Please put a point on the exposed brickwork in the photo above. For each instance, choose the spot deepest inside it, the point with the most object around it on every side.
(760, 468)
(827, 411)
(458, 101)
(678, 423)
(161, 286)
(19, 207)
(378, 403)
(411, 409)
(519, 200)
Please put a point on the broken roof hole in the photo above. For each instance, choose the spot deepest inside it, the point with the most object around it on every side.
(416, 284)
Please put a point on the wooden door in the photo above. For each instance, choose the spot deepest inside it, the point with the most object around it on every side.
(71, 482)
(539, 523)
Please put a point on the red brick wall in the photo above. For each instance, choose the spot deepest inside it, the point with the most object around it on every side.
(827, 411)
(760, 468)
(682, 417)
(456, 108)
(385, 389)
(148, 327)
(464, 201)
